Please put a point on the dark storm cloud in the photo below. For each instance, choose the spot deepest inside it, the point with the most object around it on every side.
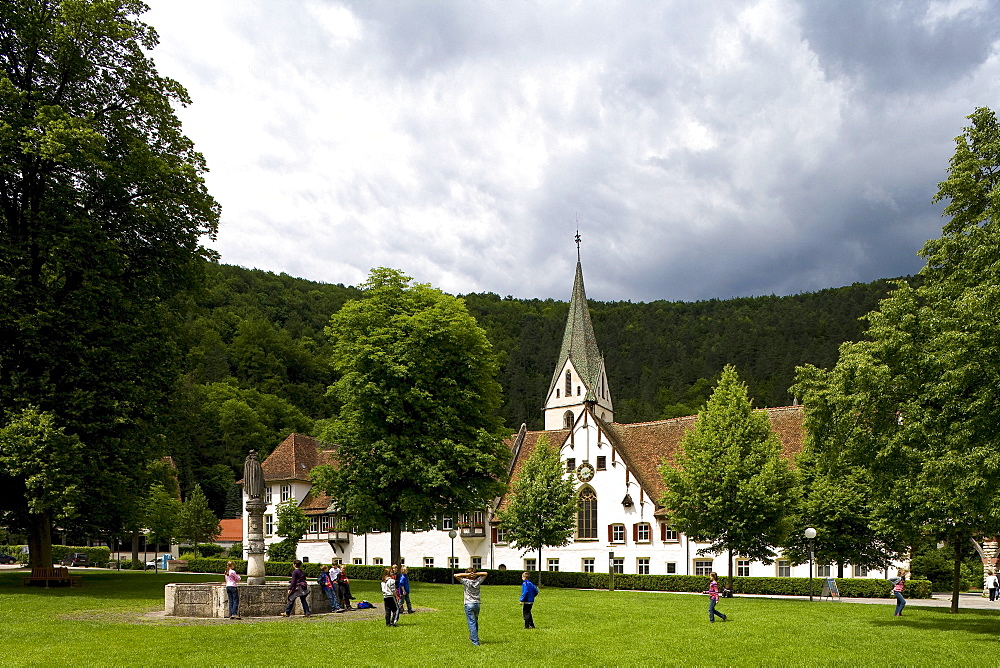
(703, 149)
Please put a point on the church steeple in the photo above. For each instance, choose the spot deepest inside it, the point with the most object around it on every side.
(579, 377)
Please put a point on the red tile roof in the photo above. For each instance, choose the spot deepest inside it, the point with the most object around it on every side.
(230, 531)
(295, 457)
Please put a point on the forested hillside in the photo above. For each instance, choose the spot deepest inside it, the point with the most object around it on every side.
(257, 363)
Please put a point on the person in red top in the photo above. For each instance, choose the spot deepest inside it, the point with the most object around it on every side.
(713, 598)
(898, 584)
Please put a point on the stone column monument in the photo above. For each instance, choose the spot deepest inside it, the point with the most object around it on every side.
(253, 484)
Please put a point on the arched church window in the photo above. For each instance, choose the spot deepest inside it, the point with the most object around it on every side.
(586, 514)
(568, 420)
(569, 383)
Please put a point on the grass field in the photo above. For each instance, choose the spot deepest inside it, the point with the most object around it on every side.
(106, 623)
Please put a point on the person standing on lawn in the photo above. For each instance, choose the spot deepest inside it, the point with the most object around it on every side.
(992, 583)
(344, 588)
(472, 579)
(713, 598)
(389, 597)
(328, 587)
(404, 590)
(898, 584)
(233, 579)
(528, 593)
(298, 588)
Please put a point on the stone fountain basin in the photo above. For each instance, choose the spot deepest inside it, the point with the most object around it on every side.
(208, 599)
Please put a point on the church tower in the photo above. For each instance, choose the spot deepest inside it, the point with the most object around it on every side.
(579, 380)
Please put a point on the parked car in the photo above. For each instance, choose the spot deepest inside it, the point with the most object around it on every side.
(75, 559)
(7, 559)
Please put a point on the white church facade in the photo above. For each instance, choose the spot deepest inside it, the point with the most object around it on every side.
(620, 524)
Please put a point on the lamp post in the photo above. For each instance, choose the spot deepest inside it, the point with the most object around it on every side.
(810, 535)
(451, 562)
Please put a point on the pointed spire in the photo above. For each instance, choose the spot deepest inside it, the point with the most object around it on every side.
(579, 342)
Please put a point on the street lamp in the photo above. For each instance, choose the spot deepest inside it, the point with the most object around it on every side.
(810, 535)
(451, 562)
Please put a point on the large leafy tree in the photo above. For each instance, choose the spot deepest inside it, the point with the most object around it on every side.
(102, 205)
(729, 485)
(541, 508)
(418, 431)
(918, 403)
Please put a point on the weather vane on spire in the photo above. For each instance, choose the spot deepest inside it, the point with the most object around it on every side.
(578, 241)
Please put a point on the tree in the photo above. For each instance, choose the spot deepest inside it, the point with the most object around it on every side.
(729, 485)
(39, 461)
(541, 506)
(162, 514)
(292, 526)
(418, 431)
(196, 522)
(102, 205)
(918, 402)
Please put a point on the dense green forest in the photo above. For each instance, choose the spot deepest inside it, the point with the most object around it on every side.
(257, 358)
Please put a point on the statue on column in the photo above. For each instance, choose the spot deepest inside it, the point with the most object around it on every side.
(253, 486)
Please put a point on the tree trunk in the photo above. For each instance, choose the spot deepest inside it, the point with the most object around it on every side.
(395, 534)
(539, 565)
(730, 585)
(956, 582)
(40, 541)
(135, 550)
(840, 569)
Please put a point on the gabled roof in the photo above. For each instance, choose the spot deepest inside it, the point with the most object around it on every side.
(579, 342)
(295, 457)
(644, 446)
(523, 444)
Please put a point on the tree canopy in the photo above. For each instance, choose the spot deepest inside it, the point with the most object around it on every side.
(540, 508)
(102, 205)
(916, 405)
(729, 485)
(418, 418)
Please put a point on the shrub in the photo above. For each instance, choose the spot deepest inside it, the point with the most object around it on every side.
(236, 550)
(210, 550)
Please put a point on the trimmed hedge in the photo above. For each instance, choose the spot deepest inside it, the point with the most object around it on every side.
(849, 587)
(97, 556)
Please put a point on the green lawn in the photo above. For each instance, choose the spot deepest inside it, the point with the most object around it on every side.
(105, 623)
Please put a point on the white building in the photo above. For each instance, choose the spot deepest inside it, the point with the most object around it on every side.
(620, 524)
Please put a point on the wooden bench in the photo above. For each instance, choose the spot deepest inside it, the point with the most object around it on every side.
(59, 575)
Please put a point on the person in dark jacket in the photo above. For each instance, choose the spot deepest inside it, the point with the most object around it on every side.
(528, 593)
(298, 588)
(344, 588)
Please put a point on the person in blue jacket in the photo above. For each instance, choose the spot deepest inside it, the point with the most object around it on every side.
(404, 590)
(528, 593)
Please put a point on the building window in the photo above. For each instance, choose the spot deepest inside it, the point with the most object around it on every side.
(428, 562)
(570, 465)
(568, 420)
(743, 568)
(618, 565)
(557, 393)
(477, 563)
(577, 390)
(642, 565)
(358, 561)
(286, 492)
(268, 525)
(376, 561)
(784, 568)
(588, 565)
(313, 525)
(823, 571)
(703, 567)
(586, 515)
(569, 383)
(553, 564)
(452, 562)
(268, 495)
(641, 532)
(671, 568)
(529, 565)
(602, 463)
(447, 523)
(617, 533)
(501, 536)
(860, 571)
(324, 523)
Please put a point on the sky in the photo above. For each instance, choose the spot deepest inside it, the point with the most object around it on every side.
(703, 149)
